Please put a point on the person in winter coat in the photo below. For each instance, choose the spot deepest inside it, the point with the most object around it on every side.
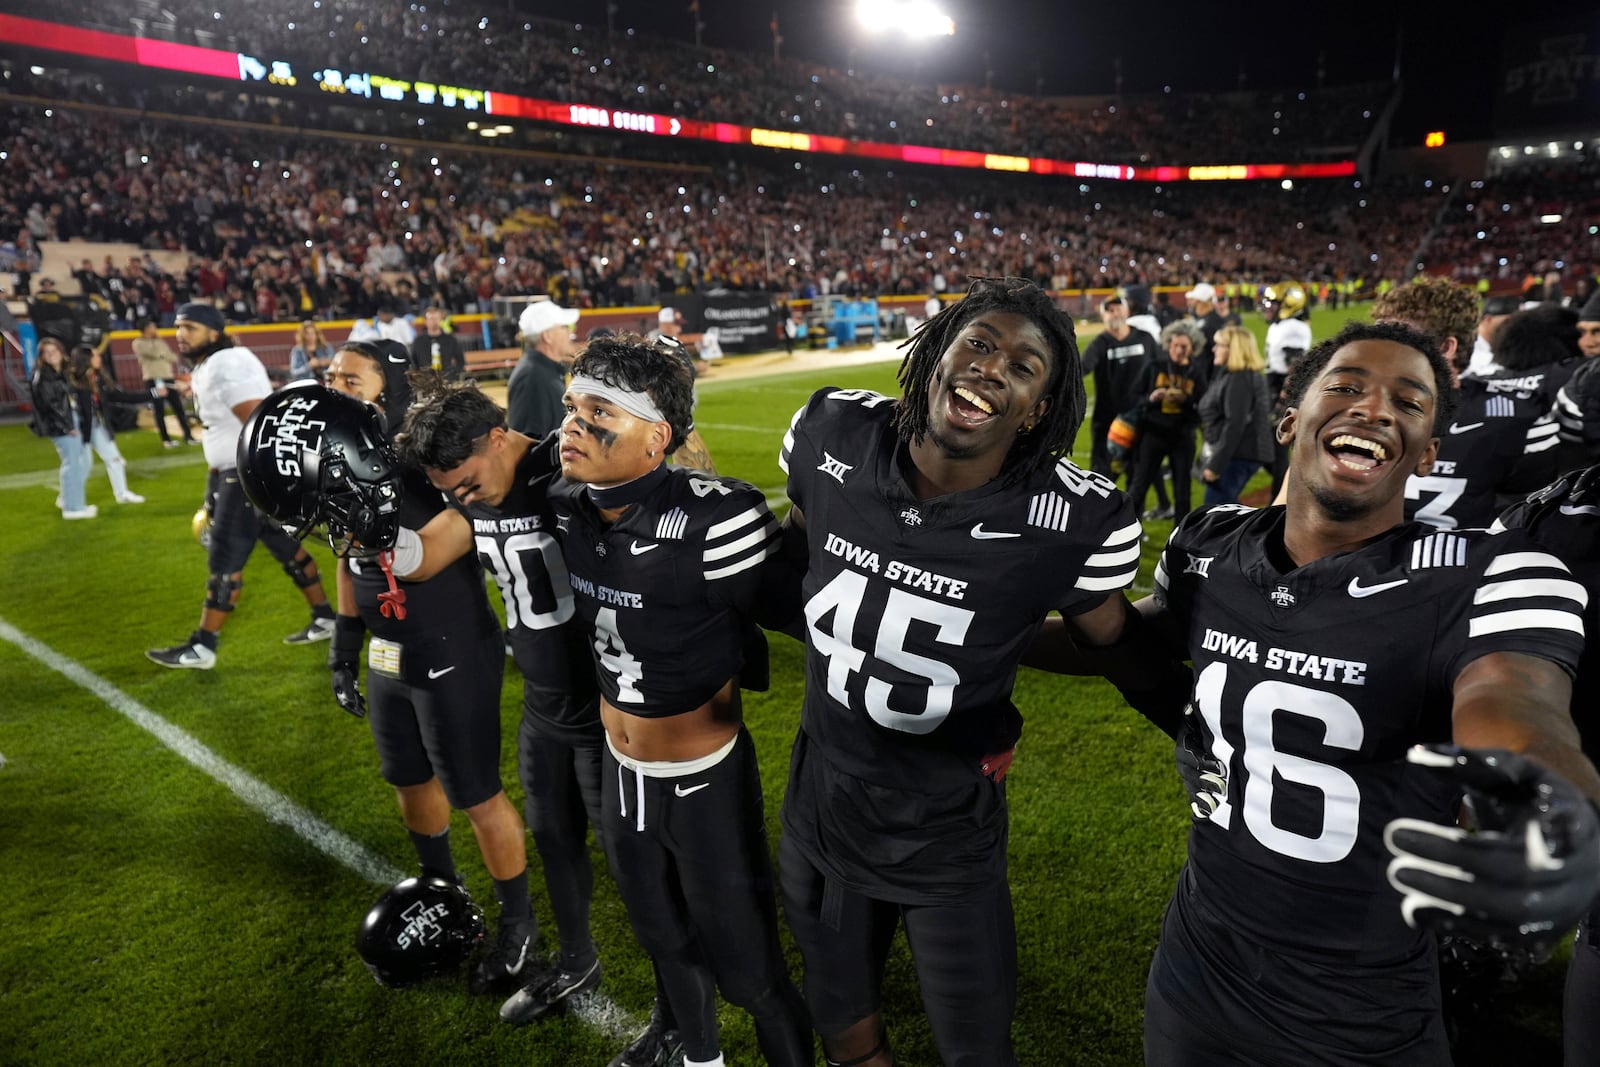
(55, 416)
(1235, 417)
(94, 389)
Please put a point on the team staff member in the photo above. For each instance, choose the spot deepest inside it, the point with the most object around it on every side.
(1284, 937)
(1120, 358)
(158, 366)
(437, 659)
(499, 480)
(228, 382)
(533, 396)
(936, 531)
(437, 349)
(666, 568)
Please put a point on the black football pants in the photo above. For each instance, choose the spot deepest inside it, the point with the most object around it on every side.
(561, 787)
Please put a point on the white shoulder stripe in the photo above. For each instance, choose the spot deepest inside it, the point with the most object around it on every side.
(1525, 588)
(1512, 561)
(742, 544)
(1097, 584)
(1529, 619)
(1128, 533)
(738, 522)
(743, 564)
(1114, 558)
(1161, 573)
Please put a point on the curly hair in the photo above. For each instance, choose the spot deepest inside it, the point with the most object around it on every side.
(1308, 367)
(1053, 434)
(1188, 328)
(447, 423)
(1436, 306)
(628, 361)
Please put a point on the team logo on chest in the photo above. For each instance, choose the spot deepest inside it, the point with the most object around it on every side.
(911, 516)
(1282, 597)
(833, 468)
(600, 549)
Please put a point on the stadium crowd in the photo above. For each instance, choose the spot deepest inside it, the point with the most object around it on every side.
(480, 47)
(283, 226)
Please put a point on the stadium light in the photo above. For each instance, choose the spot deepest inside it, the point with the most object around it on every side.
(915, 18)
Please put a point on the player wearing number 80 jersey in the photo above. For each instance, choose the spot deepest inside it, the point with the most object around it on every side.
(1328, 638)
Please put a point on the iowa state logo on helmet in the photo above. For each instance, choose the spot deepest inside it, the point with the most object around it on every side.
(419, 929)
(290, 430)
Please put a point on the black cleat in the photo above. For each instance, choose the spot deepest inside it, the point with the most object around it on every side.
(511, 961)
(656, 1046)
(549, 993)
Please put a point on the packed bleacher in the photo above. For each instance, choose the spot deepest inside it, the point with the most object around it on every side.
(482, 47)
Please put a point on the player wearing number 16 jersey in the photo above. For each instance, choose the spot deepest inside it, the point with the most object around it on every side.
(938, 530)
(1329, 637)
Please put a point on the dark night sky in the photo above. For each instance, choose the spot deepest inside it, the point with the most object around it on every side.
(1448, 64)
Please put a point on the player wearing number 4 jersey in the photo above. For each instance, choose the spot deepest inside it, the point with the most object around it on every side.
(1328, 638)
(936, 532)
(666, 568)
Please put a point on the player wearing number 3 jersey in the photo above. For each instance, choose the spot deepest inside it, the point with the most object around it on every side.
(936, 532)
(1329, 637)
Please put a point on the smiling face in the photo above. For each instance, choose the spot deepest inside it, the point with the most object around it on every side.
(601, 444)
(990, 385)
(1364, 425)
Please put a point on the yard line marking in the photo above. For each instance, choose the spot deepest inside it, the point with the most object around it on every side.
(47, 478)
(253, 792)
(773, 430)
(596, 1009)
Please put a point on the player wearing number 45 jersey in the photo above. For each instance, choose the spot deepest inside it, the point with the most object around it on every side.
(1329, 638)
(936, 532)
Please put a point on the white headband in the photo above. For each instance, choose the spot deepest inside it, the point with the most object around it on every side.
(638, 405)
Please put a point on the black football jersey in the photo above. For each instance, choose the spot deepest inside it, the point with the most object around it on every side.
(917, 613)
(516, 543)
(1570, 528)
(1313, 681)
(1503, 439)
(668, 592)
(1577, 411)
(451, 602)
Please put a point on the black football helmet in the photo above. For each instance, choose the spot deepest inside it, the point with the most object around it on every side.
(309, 456)
(421, 928)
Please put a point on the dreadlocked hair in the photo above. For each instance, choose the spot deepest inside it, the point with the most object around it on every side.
(447, 423)
(1052, 436)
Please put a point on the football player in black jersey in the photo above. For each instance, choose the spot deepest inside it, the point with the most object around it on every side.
(666, 568)
(499, 480)
(936, 531)
(1502, 442)
(436, 661)
(1328, 638)
(1565, 519)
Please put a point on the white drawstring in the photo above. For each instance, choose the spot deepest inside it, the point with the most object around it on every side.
(638, 783)
(638, 789)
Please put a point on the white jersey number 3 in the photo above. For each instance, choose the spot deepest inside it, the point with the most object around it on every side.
(842, 600)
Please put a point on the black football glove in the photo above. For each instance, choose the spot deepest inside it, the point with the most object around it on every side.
(344, 660)
(1205, 778)
(1520, 881)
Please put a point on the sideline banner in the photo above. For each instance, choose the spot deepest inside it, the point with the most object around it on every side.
(745, 322)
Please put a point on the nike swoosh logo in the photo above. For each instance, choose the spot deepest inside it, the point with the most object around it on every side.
(679, 790)
(1468, 428)
(1573, 509)
(1358, 590)
(638, 550)
(397, 359)
(522, 957)
(440, 673)
(990, 535)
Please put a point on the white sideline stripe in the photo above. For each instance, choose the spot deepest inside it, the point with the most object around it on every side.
(733, 427)
(596, 1009)
(256, 794)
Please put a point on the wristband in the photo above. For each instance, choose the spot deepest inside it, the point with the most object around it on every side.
(348, 633)
(407, 553)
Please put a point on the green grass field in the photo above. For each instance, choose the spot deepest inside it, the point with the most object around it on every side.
(156, 914)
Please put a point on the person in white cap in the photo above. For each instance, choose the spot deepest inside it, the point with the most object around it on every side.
(533, 397)
(1202, 304)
